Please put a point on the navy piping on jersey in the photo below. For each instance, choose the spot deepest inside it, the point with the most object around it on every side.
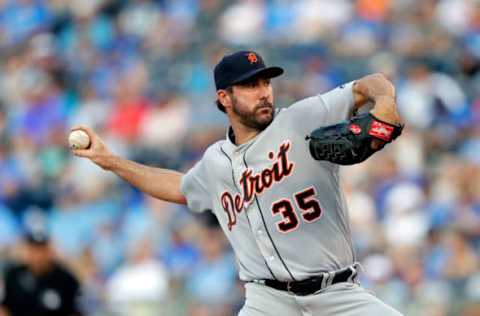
(248, 219)
(263, 220)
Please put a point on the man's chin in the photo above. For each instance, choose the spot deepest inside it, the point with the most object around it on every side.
(260, 119)
(265, 120)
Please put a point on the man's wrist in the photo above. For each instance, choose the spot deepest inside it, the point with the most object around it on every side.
(108, 162)
(385, 109)
(112, 162)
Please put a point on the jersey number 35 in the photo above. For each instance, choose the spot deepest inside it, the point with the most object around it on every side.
(306, 203)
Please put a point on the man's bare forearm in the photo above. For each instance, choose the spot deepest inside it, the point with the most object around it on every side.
(160, 183)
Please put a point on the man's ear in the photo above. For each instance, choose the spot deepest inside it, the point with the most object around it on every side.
(225, 98)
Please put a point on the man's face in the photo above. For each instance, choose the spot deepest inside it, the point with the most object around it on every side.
(38, 257)
(252, 103)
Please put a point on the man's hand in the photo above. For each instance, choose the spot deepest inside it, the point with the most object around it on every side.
(97, 152)
(378, 89)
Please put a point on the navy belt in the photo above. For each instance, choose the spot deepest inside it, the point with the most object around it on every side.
(312, 284)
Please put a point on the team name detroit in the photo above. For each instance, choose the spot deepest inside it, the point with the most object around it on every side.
(252, 184)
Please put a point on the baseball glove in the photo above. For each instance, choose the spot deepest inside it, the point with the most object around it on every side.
(350, 142)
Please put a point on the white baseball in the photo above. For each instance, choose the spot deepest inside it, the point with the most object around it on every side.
(78, 139)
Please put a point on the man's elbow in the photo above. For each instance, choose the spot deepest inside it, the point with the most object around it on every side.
(382, 81)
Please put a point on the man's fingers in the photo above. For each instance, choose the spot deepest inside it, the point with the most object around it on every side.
(86, 129)
(81, 153)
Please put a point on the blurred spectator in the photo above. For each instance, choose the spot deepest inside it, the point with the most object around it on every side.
(405, 223)
(23, 19)
(130, 104)
(38, 284)
(460, 261)
(140, 287)
(429, 98)
(241, 22)
(212, 283)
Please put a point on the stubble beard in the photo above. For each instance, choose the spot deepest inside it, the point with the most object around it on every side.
(253, 118)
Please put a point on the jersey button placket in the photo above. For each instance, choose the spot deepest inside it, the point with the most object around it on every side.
(257, 230)
(263, 243)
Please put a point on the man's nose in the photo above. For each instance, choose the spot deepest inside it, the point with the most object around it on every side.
(264, 91)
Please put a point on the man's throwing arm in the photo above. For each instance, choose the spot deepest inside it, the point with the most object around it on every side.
(160, 183)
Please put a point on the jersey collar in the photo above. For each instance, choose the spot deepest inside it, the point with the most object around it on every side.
(229, 144)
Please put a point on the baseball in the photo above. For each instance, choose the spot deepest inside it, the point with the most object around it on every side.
(78, 139)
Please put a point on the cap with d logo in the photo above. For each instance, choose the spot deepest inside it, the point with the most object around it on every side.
(242, 66)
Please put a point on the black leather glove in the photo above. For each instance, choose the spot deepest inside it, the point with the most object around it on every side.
(350, 142)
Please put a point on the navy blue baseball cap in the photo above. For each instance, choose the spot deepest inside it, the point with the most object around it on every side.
(240, 67)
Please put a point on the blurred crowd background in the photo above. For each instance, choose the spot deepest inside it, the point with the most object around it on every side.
(140, 73)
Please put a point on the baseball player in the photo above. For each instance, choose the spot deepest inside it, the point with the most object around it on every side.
(274, 186)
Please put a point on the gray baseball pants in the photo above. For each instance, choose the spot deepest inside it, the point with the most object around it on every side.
(345, 299)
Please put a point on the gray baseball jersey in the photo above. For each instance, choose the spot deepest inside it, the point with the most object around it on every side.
(282, 211)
